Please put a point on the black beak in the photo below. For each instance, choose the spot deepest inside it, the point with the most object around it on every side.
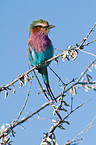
(50, 26)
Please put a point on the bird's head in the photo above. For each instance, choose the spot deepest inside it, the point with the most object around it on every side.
(40, 26)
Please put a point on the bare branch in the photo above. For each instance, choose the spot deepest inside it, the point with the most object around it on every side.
(57, 76)
(76, 108)
(62, 121)
(24, 102)
(83, 133)
(83, 40)
(82, 74)
(77, 82)
(27, 72)
(9, 129)
(89, 43)
(88, 52)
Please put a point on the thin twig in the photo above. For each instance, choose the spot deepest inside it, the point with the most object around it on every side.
(76, 108)
(75, 140)
(86, 83)
(57, 76)
(82, 42)
(89, 43)
(82, 74)
(24, 102)
(88, 52)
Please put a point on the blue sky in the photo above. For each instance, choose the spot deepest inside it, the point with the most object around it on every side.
(73, 20)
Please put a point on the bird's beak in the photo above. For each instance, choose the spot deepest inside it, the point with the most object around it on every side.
(50, 26)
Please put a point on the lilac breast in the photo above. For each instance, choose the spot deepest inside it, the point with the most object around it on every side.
(39, 42)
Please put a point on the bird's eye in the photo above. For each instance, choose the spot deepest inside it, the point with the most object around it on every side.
(38, 26)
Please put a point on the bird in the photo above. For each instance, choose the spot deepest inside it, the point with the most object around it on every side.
(40, 49)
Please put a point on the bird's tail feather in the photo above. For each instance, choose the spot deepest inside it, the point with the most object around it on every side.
(44, 73)
(50, 92)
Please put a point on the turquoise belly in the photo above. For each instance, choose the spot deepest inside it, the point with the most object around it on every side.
(40, 57)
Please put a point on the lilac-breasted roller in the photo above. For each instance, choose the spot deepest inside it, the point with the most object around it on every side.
(40, 48)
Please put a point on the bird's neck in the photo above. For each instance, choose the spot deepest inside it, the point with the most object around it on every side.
(39, 41)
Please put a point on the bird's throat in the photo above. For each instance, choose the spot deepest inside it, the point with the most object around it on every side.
(39, 41)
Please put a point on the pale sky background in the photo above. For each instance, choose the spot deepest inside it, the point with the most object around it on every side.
(73, 20)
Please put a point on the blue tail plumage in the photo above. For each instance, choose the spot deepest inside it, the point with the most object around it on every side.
(44, 73)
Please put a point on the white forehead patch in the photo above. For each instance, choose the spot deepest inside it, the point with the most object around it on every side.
(40, 24)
